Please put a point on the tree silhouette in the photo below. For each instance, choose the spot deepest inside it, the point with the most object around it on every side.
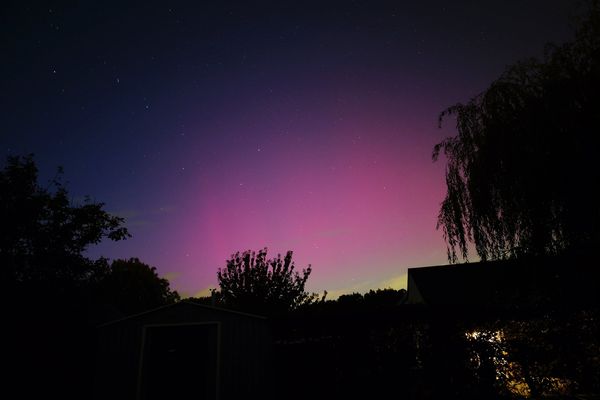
(384, 298)
(48, 281)
(522, 168)
(132, 286)
(253, 283)
(43, 235)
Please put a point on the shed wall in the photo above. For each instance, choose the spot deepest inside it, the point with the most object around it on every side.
(244, 350)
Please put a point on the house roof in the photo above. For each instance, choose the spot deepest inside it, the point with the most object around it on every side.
(460, 284)
(504, 283)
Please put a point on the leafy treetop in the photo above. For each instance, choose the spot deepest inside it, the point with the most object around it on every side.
(253, 283)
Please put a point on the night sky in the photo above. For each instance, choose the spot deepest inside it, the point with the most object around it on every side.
(214, 127)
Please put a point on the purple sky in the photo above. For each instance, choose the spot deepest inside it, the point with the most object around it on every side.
(218, 127)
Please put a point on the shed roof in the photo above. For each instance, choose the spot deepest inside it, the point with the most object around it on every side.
(183, 303)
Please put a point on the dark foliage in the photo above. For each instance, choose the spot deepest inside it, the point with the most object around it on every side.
(251, 282)
(352, 300)
(212, 300)
(522, 169)
(43, 236)
(131, 286)
(384, 298)
(373, 300)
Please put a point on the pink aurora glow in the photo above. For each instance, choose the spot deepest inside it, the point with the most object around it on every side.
(357, 198)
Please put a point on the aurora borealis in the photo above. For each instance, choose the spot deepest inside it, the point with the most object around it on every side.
(214, 127)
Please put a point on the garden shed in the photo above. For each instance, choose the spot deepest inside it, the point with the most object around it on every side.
(183, 350)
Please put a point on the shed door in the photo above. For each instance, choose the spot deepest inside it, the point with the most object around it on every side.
(180, 361)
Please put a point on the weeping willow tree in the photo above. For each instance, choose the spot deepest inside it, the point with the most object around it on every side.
(522, 171)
